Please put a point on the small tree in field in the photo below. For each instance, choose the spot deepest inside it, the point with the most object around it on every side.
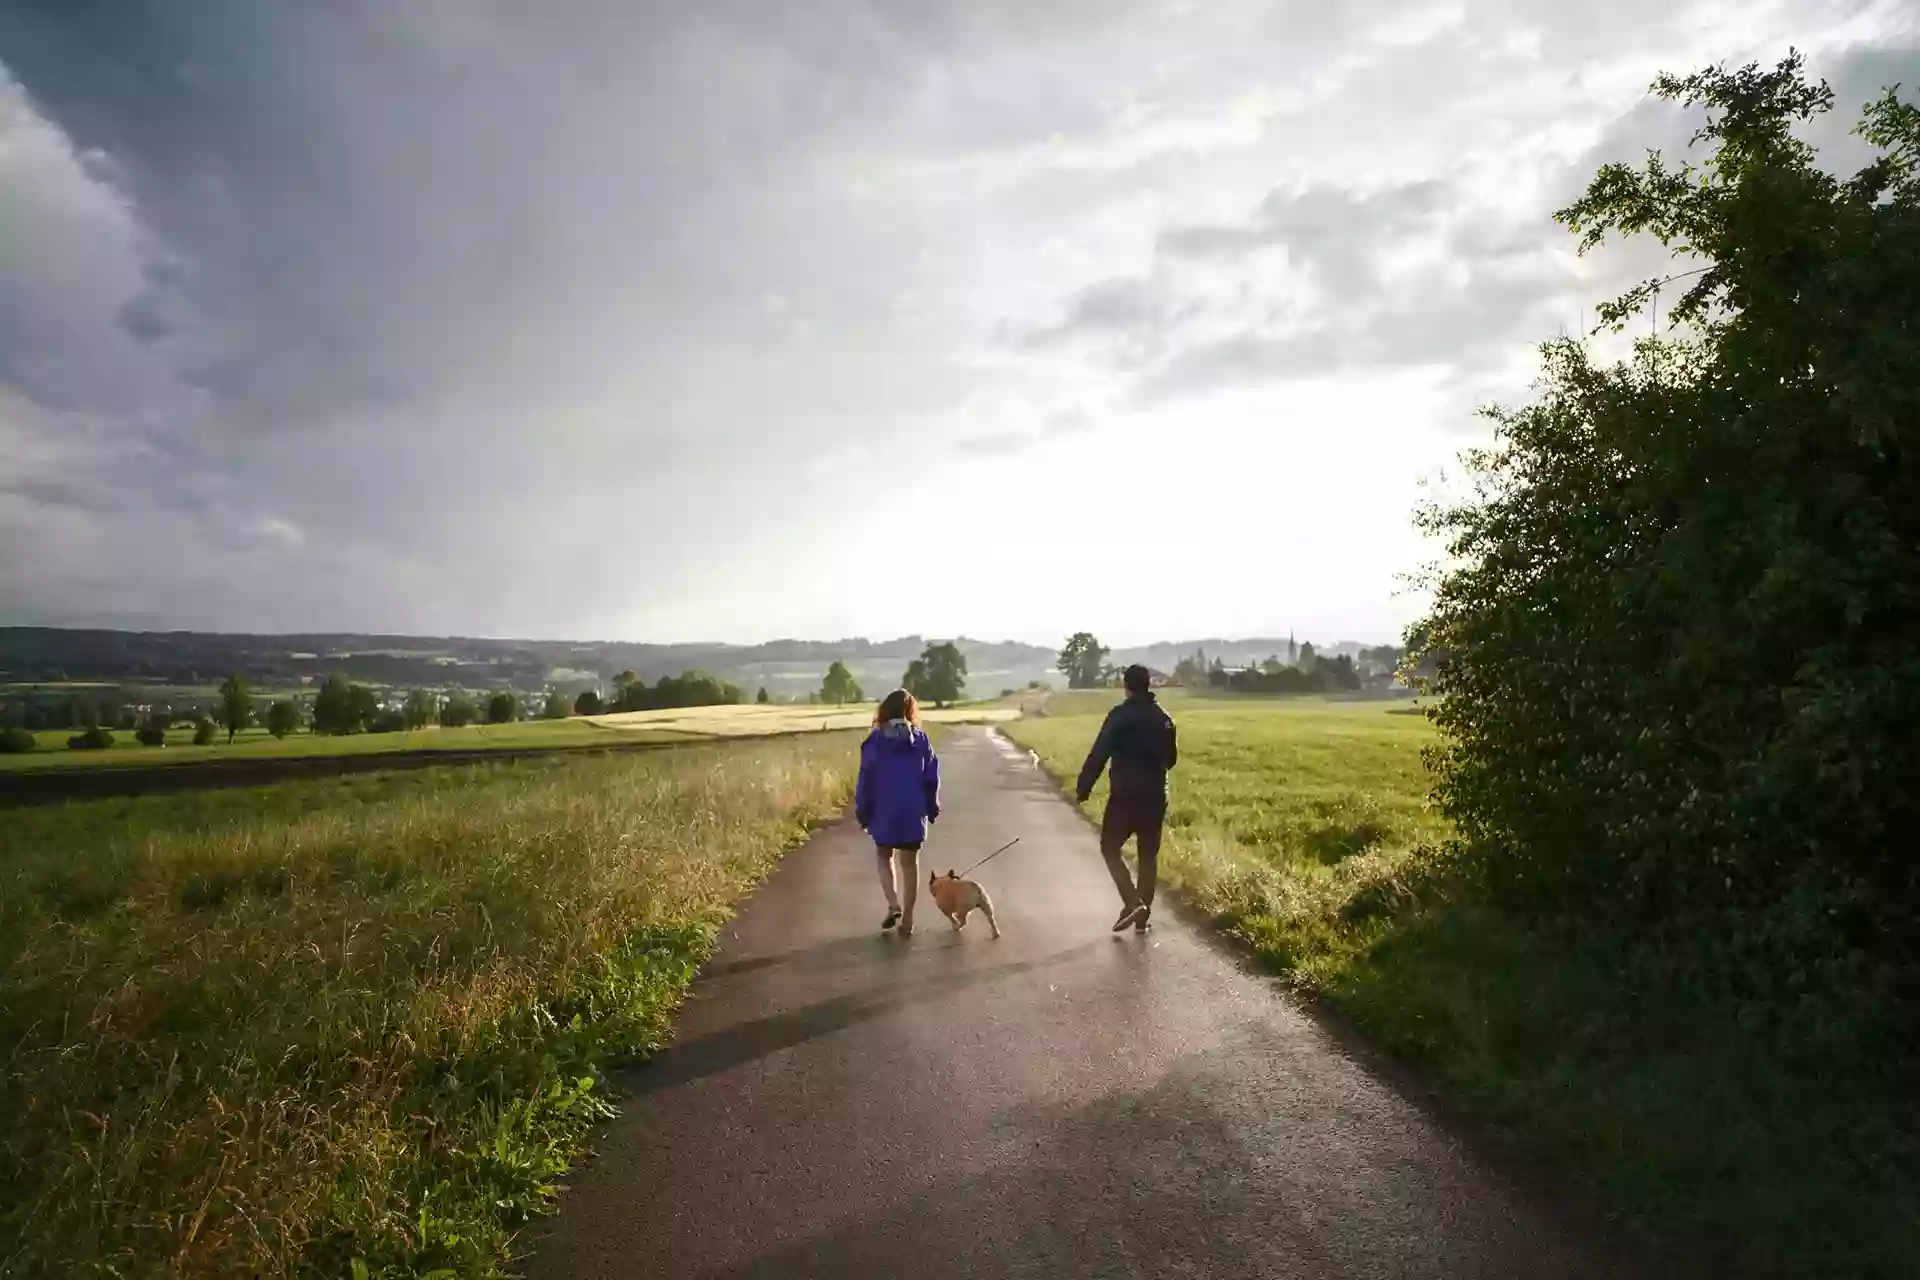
(1081, 661)
(236, 704)
(204, 732)
(557, 708)
(420, 709)
(946, 673)
(502, 708)
(914, 680)
(761, 697)
(335, 709)
(587, 704)
(839, 687)
(283, 717)
(458, 711)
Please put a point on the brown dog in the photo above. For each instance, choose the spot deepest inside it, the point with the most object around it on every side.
(957, 899)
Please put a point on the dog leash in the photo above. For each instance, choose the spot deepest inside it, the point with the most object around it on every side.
(990, 857)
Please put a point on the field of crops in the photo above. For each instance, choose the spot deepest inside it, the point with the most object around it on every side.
(675, 725)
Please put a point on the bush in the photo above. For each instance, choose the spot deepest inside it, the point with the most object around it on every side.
(204, 732)
(502, 708)
(151, 735)
(283, 718)
(94, 739)
(14, 740)
(458, 712)
(587, 704)
(388, 722)
(1682, 665)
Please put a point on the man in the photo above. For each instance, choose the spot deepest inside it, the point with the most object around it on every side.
(1138, 740)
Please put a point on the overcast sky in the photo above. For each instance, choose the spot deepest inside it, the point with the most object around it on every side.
(736, 320)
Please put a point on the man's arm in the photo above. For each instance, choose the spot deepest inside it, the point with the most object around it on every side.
(1173, 744)
(1097, 758)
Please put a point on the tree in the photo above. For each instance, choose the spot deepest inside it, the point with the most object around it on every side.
(1081, 659)
(363, 705)
(283, 717)
(1677, 624)
(154, 732)
(557, 708)
(946, 672)
(204, 731)
(761, 697)
(839, 687)
(336, 709)
(236, 704)
(914, 679)
(13, 738)
(457, 712)
(502, 708)
(587, 704)
(420, 709)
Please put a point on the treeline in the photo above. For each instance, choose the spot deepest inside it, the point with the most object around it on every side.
(938, 675)
(688, 689)
(1084, 661)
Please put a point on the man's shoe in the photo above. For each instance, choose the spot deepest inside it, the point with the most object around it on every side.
(1140, 922)
(893, 918)
(1127, 917)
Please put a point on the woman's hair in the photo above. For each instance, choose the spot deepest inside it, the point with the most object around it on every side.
(898, 705)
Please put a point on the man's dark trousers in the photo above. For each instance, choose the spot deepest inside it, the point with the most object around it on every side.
(1140, 816)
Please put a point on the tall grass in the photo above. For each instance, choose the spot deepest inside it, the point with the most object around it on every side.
(334, 1026)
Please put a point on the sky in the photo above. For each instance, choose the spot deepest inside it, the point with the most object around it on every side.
(612, 319)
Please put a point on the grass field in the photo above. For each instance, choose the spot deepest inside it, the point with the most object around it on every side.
(680, 725)
(272, 1031)
(1763, 1137)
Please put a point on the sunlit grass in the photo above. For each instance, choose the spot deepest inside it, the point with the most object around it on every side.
(267, 1032)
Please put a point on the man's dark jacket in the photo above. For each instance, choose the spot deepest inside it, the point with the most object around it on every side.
(1138, 739)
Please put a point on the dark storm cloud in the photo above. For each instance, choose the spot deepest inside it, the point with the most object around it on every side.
(469, 313)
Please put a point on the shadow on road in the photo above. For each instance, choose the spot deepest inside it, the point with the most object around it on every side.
(744, 1042)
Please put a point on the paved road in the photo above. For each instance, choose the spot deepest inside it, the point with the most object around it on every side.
(1060, 1102)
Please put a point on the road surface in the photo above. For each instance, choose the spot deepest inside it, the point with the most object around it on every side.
(1060, 1102)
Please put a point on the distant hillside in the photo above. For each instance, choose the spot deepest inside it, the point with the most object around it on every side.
(190, 658)
(787, 668)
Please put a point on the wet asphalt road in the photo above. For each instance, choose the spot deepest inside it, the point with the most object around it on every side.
(1060, 1102)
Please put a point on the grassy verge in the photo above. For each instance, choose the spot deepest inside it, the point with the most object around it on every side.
(353, 1024)
(1766, 1130)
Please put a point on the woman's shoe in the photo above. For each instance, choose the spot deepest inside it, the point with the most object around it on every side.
(1140, 922)
(1127, 917)
(893, 918)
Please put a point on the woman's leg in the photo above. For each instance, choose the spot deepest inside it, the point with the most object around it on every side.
(910, 871)
(887, 881)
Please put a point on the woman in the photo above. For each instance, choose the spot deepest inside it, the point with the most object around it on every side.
(897, 796)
